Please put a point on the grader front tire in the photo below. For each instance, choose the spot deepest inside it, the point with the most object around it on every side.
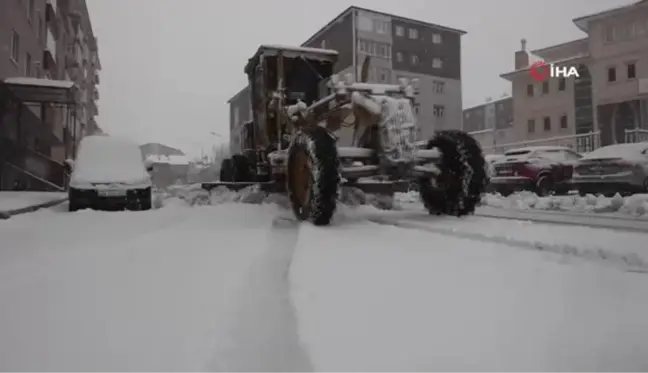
(313, 176)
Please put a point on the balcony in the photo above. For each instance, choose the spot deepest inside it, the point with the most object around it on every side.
(95, 94)
(96, 78)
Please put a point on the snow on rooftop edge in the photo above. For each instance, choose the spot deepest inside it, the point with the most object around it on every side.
(300, 49)
(21, 80)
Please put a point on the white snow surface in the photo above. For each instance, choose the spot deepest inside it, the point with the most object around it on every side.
(108, 159)
(242, 287)
(168, 159)
(633, 206)
(50, 83)
(10, 200)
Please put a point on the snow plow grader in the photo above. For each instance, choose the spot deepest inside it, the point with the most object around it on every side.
(291, 145)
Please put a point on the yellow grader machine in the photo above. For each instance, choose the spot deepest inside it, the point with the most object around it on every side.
(290, 146)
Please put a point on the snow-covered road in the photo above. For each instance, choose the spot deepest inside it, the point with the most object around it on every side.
(244, 288)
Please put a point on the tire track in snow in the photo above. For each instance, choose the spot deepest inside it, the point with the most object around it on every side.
(625, 262)
(264, 335)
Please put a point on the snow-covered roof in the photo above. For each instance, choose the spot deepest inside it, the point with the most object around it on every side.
(291, 48)
(623, 151)
(172, 159)
(49, 83)
(537, 149)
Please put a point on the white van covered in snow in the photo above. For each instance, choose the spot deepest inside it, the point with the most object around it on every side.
(109, 173)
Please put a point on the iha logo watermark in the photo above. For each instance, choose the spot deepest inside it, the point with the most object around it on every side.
(541, 71)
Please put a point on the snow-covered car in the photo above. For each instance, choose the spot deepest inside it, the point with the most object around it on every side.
(491, 159)
(109, 173)
(620, 168)
(542, 169)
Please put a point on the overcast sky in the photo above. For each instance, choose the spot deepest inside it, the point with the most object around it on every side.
(169, 66)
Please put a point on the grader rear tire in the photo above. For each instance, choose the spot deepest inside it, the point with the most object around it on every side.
(313, 176)
(226, 170)
(458, 190)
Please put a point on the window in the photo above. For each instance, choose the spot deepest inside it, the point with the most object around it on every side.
(436, 39)
(323, 44)
(400, 31)
(611, 73)
(631, 70)
(365, 23)
(413, 33)
(399, 56)
(608, 34)
(415, 59)
(531, 125)
(437, 63)
(41, 28)
(383, 50)
(545, 88)
(380, 26)
(467, 115)
(30, 10)
(28, 63)
(15, 47)
(438, 86)
(563, 122)
(530, 90)
(547, 123)
(562, 83)
(382, 75)
(439, 111)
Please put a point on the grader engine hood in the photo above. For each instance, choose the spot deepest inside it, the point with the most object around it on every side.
(396, 123)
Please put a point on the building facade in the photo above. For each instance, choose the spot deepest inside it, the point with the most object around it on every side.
(399, 48)
(608, 98)
(48, 39)
(491, 123)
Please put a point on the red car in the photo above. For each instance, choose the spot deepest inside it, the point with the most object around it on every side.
(544, 170)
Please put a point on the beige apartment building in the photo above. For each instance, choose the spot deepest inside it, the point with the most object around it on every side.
(607, 103)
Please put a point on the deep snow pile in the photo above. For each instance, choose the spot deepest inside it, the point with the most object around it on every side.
(195, 195)
(635, 205)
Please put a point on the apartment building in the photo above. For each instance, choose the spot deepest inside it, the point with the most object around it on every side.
(605, 101)
(491, 123)
(47, 39)
(399, 48)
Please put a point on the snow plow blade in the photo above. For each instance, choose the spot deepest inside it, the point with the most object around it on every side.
(378, 187)
(270, 187)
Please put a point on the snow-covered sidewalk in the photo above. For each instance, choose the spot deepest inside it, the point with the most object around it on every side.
(10, 200)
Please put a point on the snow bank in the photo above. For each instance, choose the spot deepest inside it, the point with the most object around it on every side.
(635, 205)
(10, 200)
(195, 195)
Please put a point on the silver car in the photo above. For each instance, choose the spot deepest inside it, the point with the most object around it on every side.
(620, 168)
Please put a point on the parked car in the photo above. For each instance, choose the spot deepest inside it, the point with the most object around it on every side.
(544, 170)
(109, 174)
(491, 159)
(620, 168)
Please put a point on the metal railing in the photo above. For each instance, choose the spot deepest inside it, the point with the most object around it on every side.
(636, 135)
(581, 143)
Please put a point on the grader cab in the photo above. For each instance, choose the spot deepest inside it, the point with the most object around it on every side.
(298, 106)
